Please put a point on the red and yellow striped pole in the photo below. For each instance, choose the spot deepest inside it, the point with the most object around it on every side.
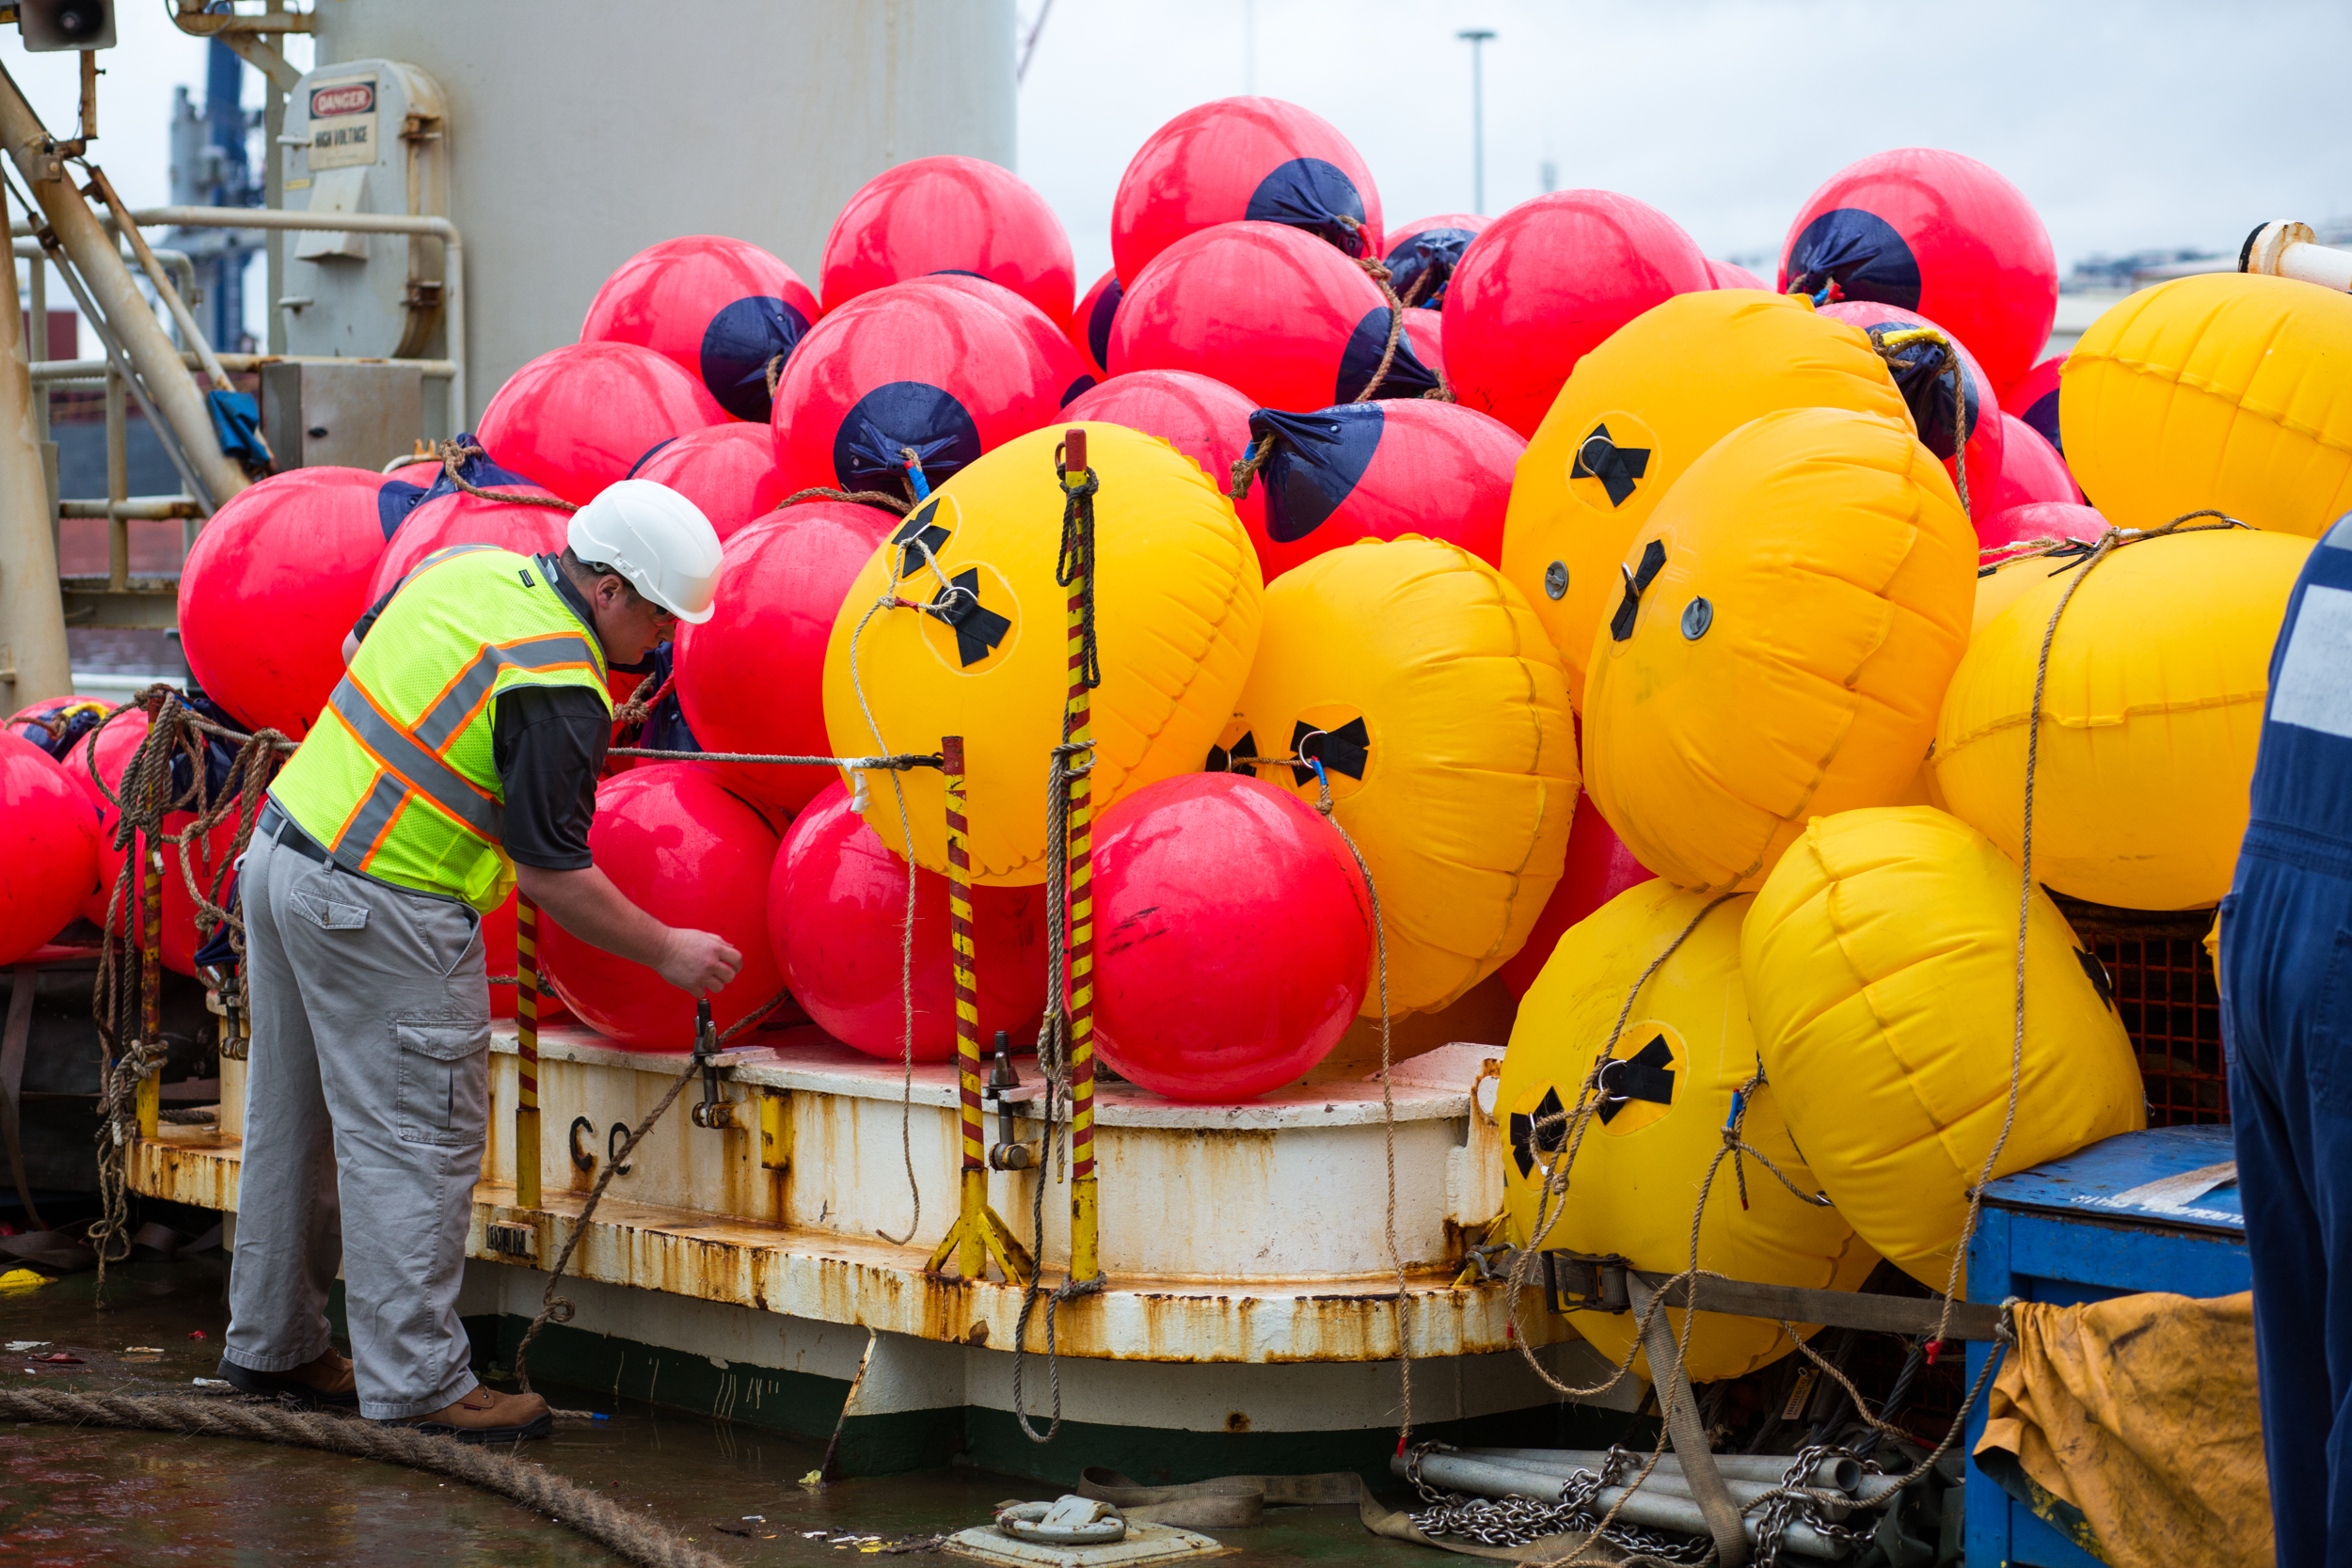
(1078, 730)
(150, 1103)
(527, 1052)
(972, 1222)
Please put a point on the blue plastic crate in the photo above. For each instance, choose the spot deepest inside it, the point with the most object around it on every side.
(2085, 1229)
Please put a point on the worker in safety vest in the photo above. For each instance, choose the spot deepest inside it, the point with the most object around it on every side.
(457, 761)
(2286, 1020)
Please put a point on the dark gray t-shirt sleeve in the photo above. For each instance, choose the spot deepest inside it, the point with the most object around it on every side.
(547, 744)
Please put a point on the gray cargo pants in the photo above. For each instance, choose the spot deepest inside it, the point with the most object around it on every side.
(367, 1095)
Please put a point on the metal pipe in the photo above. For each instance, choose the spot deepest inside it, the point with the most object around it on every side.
(118, 486)
(452, 266)
(144, 508)
(1646, 1506)
(37, 344)
(1838, 1475)
(176, 262)
(2292, 250)
(33, 661)
(191, 335)
(129, 320)
(58, 371)
(164, 435)
(1744, 1490)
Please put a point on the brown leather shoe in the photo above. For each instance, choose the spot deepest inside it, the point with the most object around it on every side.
(487, 1416)
(324, 1382)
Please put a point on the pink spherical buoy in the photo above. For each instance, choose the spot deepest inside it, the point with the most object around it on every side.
(751, 678)
(1731, 274)
(911, 368)
(1200, 416)
(580, 416)
(115, 743)
(2035, 399)
(728, 470)
(1236, 158)
(1372, 470)
(1546, 283)
(1937, 233)
(1090, 323)
(951, 214)
(1232, 936)
(1422, 256)
(682, 848)
(1271, 311)
(1064, 363)
(54, 725)
(836, 913)
(1599, 867)
(2031, 469)
(1921, 373)
(52, 861)
(271, 587)
(1425, 330)
(2037, 521)
(722, 310)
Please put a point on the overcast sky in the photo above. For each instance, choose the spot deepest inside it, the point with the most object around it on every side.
(2129, 125)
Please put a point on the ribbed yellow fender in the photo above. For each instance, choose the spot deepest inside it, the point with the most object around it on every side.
(1446, 735)
(2150, 717)
(2224, 390)
(1880, 958)
(1802, 597)
(1635, 1185)
(1176, 621)
(1638, 411)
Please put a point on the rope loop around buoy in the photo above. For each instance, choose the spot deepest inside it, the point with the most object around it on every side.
(453, 452)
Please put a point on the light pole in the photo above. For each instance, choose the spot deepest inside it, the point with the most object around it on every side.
(1476, 37)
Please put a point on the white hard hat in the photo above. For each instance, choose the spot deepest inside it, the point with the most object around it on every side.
(657, 539)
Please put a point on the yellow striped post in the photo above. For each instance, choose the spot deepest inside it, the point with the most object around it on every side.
(150, 1103)
(1078, 730)
(972, 1222)
(527, 1054)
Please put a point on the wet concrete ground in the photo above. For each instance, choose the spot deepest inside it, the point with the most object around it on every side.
(75, 1496)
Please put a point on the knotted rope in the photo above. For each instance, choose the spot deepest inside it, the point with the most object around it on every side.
(600, 1519)
(453, 452)
(1959, 372)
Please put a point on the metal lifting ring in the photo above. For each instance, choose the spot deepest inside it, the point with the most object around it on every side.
(1072, 1521)
(1300, 748)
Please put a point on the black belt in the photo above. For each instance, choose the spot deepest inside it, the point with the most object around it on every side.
(283, 829)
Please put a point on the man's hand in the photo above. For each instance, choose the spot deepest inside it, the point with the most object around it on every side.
(698, 963)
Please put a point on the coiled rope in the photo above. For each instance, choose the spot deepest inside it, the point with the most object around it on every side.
(601, 1520)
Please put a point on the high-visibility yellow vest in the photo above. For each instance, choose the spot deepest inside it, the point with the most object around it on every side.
(397, 779)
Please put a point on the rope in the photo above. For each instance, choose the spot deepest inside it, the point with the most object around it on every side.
(453, 452)
(864, 497)
(1248, 468)
(1959, 395)
(557, 1309)
(598, 1518)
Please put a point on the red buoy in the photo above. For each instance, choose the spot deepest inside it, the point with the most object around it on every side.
(116, 743)
(2035, 399)
(908, 368)
(2039, 520)
(722, 310)
(1731, 274)
(52, 861)
(1921, 374)
(271, 587)
(1938, 233)
(946, 214)
(1423, 254)
(2031, 469)
(682, 848)
(1599, 867)
(1232, 936)
(1271, 311)
(752, 677)
(54, 725)
(1371, 471)
(1065, 364)
(836, 913)
(1090, 323)
(1425, 330)
(1546, 283)
(1239, 158)
(580, 416)
(1202, 417)
(728, 470)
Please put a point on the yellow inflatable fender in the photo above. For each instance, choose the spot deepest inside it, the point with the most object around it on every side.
(1177, 603)
(1437, 703)
(1685, 1052)
(1880, 958)
(1784, 628)
(1638, 411)
(2223, 390)
(2150, 717)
